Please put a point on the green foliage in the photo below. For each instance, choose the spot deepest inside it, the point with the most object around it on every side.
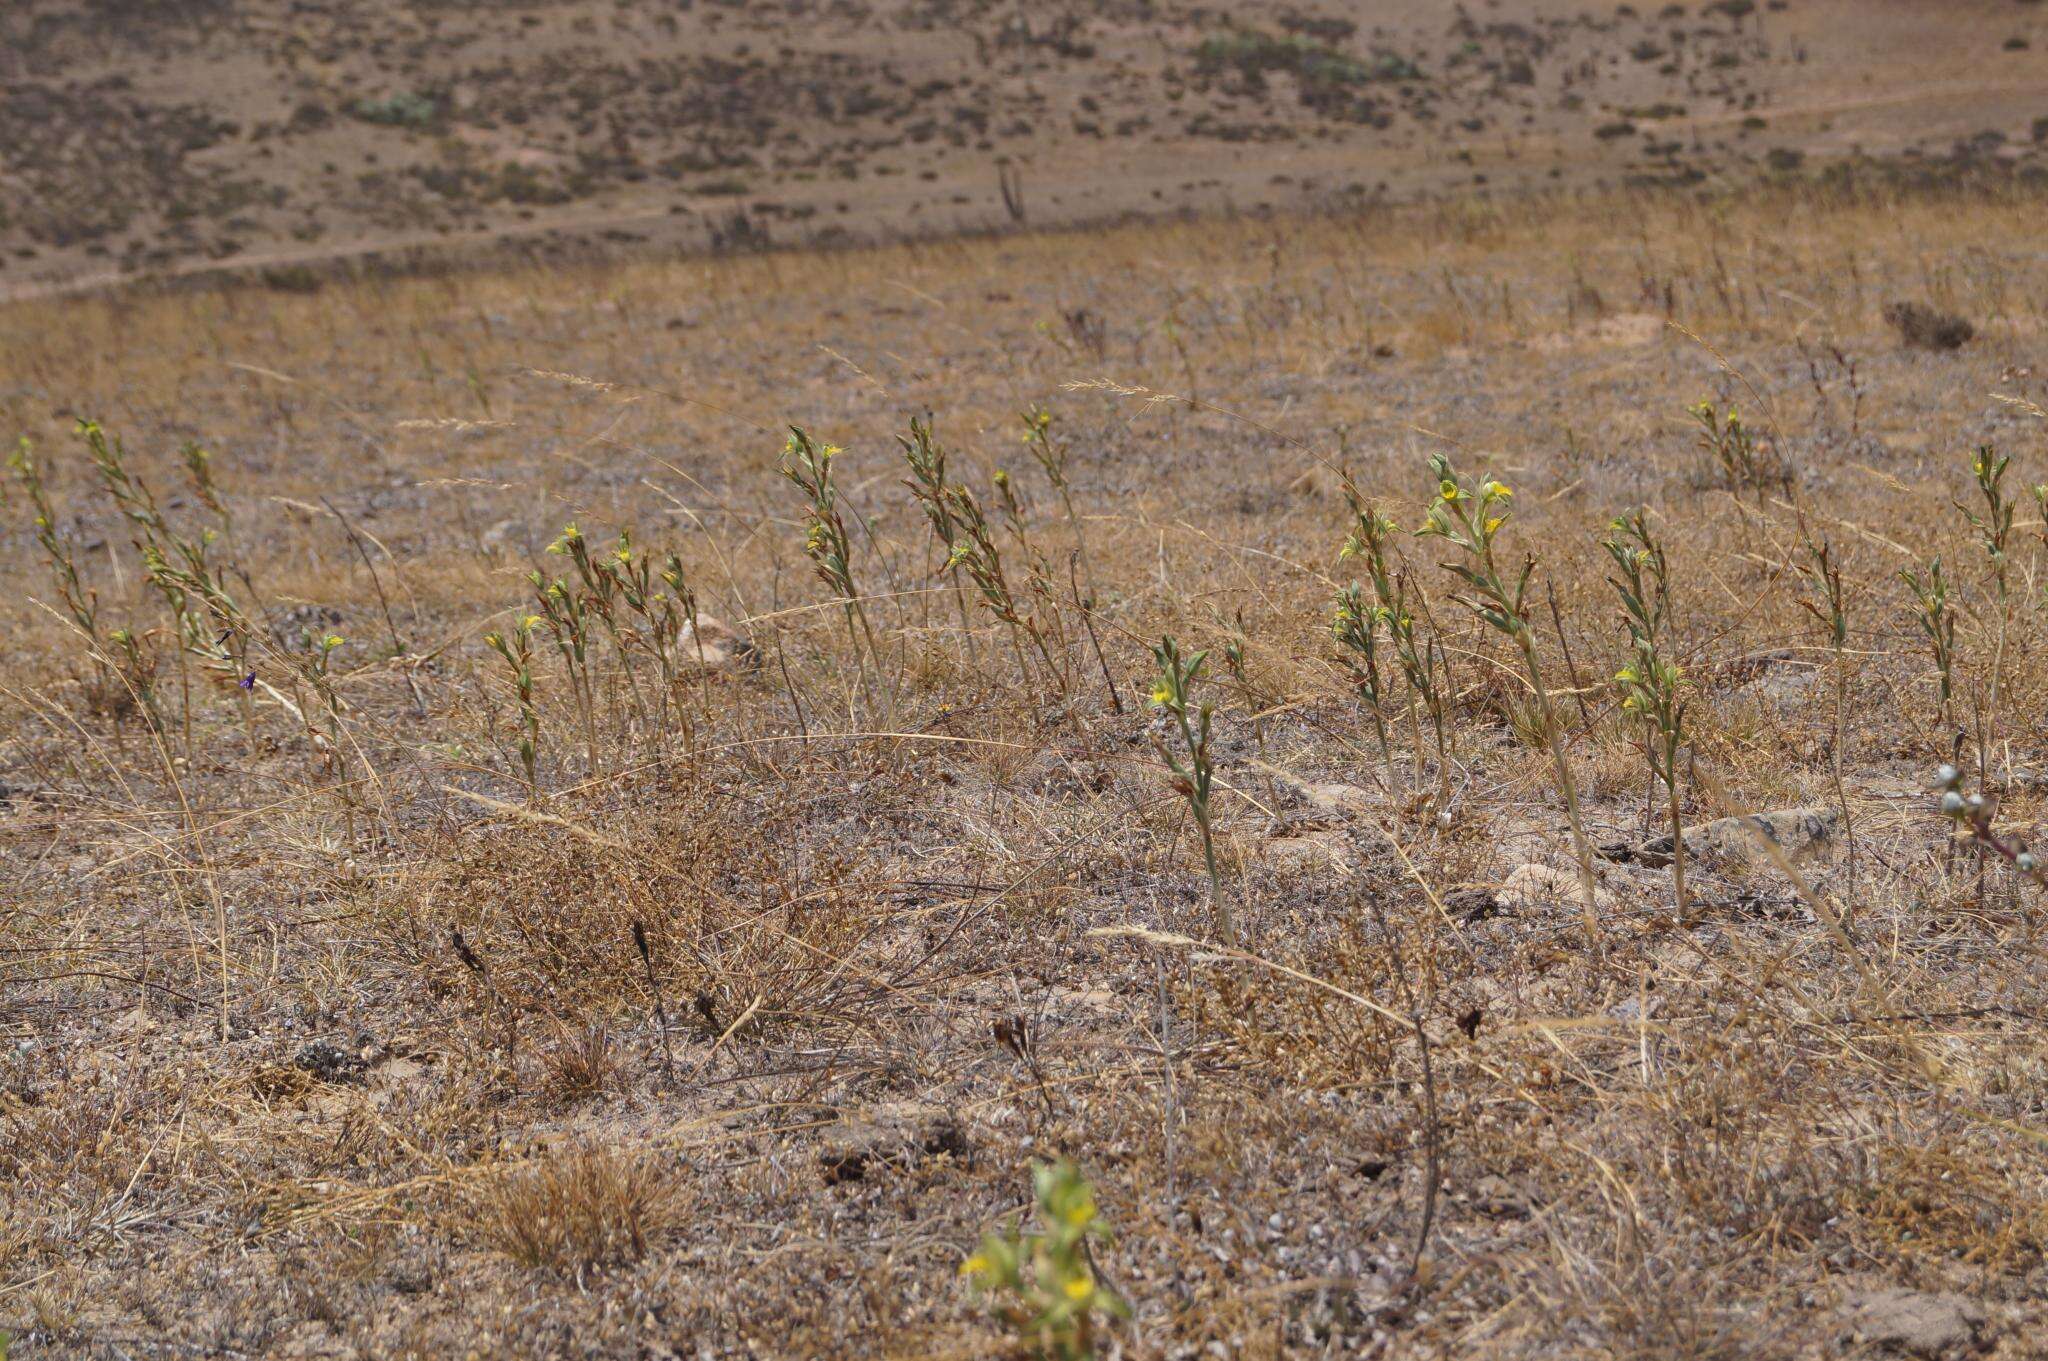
(79, 601)
(927, 480)
(1824, 575)
(808, 465)
(1050, 453)
(1044, 1285)
(1650, 686)
(211, 624)
(1194, 778)
(974, 551)
(1355, 625)
(407, 109)
(562, 610)
(1468, 517)
(517, 651)
(1938, 622)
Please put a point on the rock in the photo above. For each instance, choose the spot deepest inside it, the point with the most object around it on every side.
(1740, 840)
(1311, 846)
(1474, 904)
(723, 650)
(329, 1064)
(1338, 798)
(1914, 1322)
(502, 536)
(1536, 885)
(1621, 331)
(1308, 838)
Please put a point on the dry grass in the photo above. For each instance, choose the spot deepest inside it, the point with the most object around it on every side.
(577, 1209)
(328, 1035)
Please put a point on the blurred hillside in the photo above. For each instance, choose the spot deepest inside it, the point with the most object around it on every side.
(170, 135)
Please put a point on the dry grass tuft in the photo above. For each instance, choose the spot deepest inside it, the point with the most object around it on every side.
(578, 1208)
(580, 1063)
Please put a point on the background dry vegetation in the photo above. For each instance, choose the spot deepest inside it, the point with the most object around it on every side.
(325, 1033)
(165, 136)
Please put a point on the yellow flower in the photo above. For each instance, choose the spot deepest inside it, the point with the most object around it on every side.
(974, 1265)
(1161, 694)
(1080, 1288)
(1493, 525)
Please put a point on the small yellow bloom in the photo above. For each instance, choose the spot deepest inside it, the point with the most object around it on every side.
(974, 1265)
(1161, 694)
(1080, 1288)
(1493, 525)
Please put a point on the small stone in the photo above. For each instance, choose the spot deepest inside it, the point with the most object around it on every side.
(721, 650)
(1535, 885)
(1915, 1322)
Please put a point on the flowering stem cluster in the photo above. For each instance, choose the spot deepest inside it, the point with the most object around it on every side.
(1051, 454)
(808, 465)
(1468, 517)
(1830, 607)
(517, 650)
(1938, 622)
(1370, 541)
(563, 612)
(1651, 688)
(1729, 442)
(211, 626)
(975, 553)
(929, 488)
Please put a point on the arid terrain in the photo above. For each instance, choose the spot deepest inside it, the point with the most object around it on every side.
(664, 799)
(142, 137)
